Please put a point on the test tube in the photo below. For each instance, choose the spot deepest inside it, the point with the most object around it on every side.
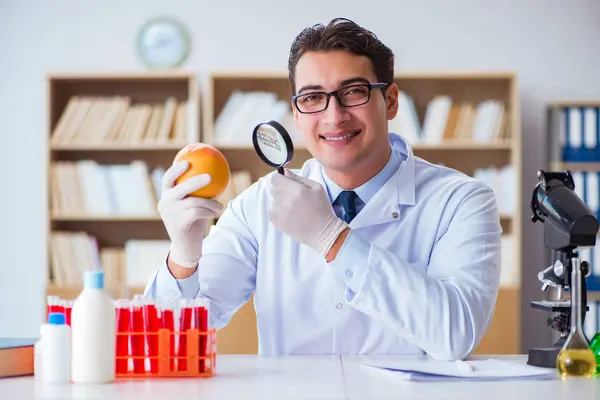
(167, 319)
(151, 324)
(185, 323)
(68, 305)
(138, 338)
(201, 323)
(123, 328)
(54, 305)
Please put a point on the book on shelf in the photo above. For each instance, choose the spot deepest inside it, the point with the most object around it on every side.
(86, 188)
(243, 110)
(501, 181)
(74, 252)
(591, 324)
(445, 120)
(117, 120)
(575, 132)
(510, 273)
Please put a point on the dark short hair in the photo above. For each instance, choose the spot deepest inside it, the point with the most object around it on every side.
(343, 34)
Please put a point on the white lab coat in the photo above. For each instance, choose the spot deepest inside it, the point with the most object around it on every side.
(418, 274)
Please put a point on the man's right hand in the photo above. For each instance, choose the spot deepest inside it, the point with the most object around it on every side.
(185, 217)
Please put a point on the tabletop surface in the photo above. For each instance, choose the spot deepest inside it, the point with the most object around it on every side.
(302, 377)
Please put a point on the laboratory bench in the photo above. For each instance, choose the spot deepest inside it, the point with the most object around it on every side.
(303, 377)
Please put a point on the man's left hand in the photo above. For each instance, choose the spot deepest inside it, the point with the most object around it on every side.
(301, 208)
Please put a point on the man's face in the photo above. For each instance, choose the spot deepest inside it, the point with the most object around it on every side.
(343, 138)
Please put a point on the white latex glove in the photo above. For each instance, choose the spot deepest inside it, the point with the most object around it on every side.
(301, 208)
(185, 217)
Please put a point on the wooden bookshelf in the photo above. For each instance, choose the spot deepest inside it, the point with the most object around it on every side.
(116, 145)
(504, 333)
(98, 133)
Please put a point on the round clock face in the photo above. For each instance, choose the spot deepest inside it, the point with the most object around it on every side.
(163, 43)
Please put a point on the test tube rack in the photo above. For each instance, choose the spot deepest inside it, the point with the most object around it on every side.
(197, 362)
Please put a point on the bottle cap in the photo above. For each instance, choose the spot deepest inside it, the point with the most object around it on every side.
(93, 280)
(56, 319)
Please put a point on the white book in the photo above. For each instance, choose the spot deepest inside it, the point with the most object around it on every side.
(509, 273)
(406, 122)
(574, 129)
(238, 122)
(578, 179)
(142, 258)
(595, 262)
(95, 187)
(590, 325)
(227, 113)
(592, 200)
(436, 118)
(590, 140)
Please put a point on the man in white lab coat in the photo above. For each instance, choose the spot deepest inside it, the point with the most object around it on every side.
(364, 250)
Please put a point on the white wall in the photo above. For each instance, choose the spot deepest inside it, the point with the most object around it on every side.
(553, 45)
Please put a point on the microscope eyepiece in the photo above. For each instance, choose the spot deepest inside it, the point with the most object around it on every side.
(569, 223)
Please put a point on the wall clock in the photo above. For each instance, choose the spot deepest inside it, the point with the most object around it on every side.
(163, 43)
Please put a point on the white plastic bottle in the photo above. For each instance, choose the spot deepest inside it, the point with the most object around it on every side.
(37, 354)
(56, 350)
(93, 333)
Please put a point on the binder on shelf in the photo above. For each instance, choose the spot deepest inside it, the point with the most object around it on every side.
(591, 324)
(579, 130)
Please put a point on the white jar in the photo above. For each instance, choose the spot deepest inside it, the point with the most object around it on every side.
(56, 350)
(93, 333)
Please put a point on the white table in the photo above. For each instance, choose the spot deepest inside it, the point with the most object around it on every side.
(250, 377)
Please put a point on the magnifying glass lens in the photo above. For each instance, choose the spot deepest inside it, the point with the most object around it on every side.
(271, 144)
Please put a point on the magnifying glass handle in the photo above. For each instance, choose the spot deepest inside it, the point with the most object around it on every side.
(280, 170)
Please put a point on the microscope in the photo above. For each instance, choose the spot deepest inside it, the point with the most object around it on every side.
(568, 225)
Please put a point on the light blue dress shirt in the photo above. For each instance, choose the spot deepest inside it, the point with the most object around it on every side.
(365, 192)
(418, 273)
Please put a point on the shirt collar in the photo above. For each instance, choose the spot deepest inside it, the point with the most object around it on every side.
(368, 189)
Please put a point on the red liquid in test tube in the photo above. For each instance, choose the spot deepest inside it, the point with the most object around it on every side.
(54, 305)
(68, 306)
(151, 324)
(201, 323)
(138, 338)
(167, 318)
(123, 326)
(185, 323)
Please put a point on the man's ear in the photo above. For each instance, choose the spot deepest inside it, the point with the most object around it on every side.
(295, 112)
(391, 101)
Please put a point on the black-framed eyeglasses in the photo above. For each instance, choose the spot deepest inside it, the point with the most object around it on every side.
(348, 96)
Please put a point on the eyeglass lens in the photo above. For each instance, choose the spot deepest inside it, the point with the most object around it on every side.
(349, 97)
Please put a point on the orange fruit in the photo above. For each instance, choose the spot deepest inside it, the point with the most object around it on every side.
(205, 159)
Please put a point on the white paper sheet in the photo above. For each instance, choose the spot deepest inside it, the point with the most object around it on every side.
(433, 370)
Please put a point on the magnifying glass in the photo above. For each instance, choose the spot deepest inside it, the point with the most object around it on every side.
(273, 144)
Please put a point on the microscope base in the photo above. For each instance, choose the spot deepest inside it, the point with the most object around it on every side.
(543, 357)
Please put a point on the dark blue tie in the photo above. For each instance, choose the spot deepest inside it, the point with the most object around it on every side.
(347, 198)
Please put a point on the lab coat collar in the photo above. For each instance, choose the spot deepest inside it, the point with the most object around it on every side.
(400, 186)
